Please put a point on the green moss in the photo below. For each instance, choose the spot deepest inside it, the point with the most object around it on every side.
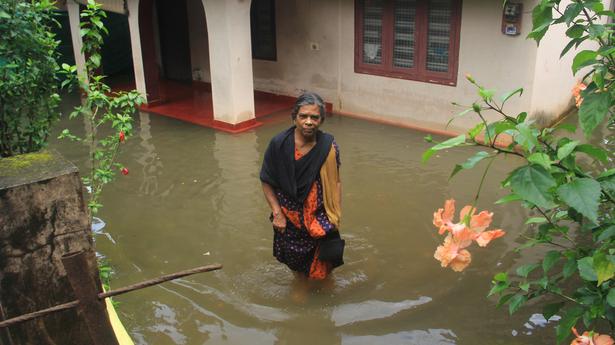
(11, 165)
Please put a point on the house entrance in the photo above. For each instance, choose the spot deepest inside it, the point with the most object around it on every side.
(174, 40)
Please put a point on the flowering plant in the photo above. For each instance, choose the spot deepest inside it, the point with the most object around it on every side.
(102, 109)
(568, 185)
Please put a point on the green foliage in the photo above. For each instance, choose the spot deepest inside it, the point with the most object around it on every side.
(108, 114)
(572, 200)
(28, 67)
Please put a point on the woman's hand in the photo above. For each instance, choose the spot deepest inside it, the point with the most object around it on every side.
(279, 222)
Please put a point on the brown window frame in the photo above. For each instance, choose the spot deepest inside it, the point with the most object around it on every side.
(419, 72)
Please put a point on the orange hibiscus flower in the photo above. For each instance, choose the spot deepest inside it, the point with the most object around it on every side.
(471, 227)
(576, 92)
(591, 339)
(452, 253)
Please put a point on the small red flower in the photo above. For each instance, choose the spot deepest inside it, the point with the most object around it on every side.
(122, 136)
(124, 171)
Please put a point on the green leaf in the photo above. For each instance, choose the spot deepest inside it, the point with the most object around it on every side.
(526, 136)
(533, 183)
(507, 95)
(593, 151)
(501, 277)
(469, 163)
(608, 173)
(572, 11)
(452, 142)
(593, 110)
(525, 287)
(596, 30)
(551, 309)
(525, 270)
(572, 43)
(95, 58)
(498, 288)
(542, 15)
(603, 267)
(569, 319)
(582, 59)
(504, 299)
(516, 302)
(460, 114)
(508, 198)
(472, 133)
(541, 159)
(551, 258)
(586, 269)
(569, 268)
(566, 149)
(583, 195)
(575, 31)
(610, 298)
(606, 234)
(535, 220)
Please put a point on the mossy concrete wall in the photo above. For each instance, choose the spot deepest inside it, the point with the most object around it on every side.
(42, 217)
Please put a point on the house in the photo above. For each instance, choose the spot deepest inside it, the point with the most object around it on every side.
(396, 61)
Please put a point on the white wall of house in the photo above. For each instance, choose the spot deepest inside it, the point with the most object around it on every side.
(497, 61)
(299, 65)
(553, 80)
(315, 51)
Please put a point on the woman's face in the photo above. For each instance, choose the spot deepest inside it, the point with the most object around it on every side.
(308, 120)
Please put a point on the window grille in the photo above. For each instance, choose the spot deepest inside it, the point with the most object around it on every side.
(410, 39)
(262, 29)
(405, 20)
(372, 31)
(438, 36)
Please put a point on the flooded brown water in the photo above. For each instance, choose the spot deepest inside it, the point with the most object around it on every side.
(193, 197)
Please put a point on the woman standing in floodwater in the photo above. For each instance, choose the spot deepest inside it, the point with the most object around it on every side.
(300, 178)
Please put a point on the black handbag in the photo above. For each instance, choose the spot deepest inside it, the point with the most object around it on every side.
(332, 249)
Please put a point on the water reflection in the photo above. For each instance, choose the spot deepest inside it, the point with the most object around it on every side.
(418, 337)
(151, 165)
(221, 330)
(372, 310)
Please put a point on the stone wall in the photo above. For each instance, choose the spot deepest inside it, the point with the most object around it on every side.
(42, 217)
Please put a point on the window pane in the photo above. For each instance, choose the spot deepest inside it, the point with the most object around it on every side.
(372, 31)
(262, 25)
(403, 49)
(438, 35)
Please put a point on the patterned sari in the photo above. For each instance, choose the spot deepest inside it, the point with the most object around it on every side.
(297, 247)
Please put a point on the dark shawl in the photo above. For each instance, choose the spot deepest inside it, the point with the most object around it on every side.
(294, 177)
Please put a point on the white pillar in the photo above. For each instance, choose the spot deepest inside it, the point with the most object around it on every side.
(75, 33)
(135, 45)
(230, 53)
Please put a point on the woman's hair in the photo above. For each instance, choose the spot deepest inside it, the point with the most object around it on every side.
(309, 98)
